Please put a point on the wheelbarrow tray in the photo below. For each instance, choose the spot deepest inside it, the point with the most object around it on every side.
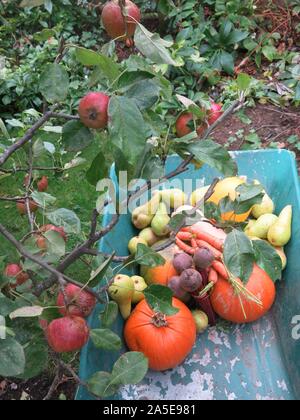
(256, 361)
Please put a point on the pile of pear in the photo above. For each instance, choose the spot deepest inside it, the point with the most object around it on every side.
(277, 230)
(127, 291)
(153, 218)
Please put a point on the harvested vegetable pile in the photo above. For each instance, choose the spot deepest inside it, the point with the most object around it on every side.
(221, 266)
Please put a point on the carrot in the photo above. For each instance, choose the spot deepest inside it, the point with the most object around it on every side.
(213, 276)
(185, 236)
(220, 268)
(186, 229)
(184, 247)
(203, 244)
(194, 243)
(212, 240)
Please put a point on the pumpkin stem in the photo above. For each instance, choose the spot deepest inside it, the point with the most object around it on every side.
(159, 320)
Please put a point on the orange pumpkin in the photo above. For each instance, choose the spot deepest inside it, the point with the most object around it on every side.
(160, 274)
(165, 340)
(233, 306)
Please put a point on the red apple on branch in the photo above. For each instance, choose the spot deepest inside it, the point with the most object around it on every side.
(93, 110)
(15, 271)
(81, 303)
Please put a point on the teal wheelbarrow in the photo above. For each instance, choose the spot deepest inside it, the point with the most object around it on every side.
(259, 361)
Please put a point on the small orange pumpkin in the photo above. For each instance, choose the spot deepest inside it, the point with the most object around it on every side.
(160, 274)
(236, 307)
(165, 340)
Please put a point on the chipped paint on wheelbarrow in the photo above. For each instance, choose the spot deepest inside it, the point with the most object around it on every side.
(260, 361)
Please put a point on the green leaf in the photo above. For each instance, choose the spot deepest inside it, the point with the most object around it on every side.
(55, 243)
(153, 46)
(110, 314)
(105, 65)
(98, 274)
(76, 136)
(144, 93)
(12, 358)
(127, 128)
(239, 255)
(100, 384)
(106, 339)
(48, 5)
(43, 199)
(268, 259)
(270, 52)
(66, 219)
(215, 155)
(130, 368)
(54, 83)
(177, 222)
(130, 78)
(44, 35)
(99, 169)
(243, 81)
(227, 62)
(247, 196)
(146, 256)
(6, 306)
(159, 298)
(36, 355)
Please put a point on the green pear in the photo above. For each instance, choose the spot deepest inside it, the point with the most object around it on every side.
(198, 195)
(122, 291)
(248, 227)
(280, 233)
(161, 220)
(173, 198)
(142, 216)
(139, 286)
(265, 207)
(149, 236)
(262, 225)
(133, 244)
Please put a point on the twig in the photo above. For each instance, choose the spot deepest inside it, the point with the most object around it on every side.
(57, 274)
(27, 137)
(13, 199)
(64, 116)
(35, 168)
(55, 384)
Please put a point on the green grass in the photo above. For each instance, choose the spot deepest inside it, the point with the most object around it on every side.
(71, 190)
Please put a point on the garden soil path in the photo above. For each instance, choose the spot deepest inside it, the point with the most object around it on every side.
(272, 124)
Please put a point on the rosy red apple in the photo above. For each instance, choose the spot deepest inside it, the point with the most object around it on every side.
(81, 302)
(183, 125)
(67, 334)
(16, 271)
(93, 110)
(214, 113)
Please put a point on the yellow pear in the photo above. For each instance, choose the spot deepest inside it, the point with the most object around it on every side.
(265, 207)
(198, 195)
(133, 244)
(173, 198)
(149, 236)
(142, 216)
(161, 220)
(261, 227)
(249, 225)
(122, 291)
(139, 286)
(281, 231)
